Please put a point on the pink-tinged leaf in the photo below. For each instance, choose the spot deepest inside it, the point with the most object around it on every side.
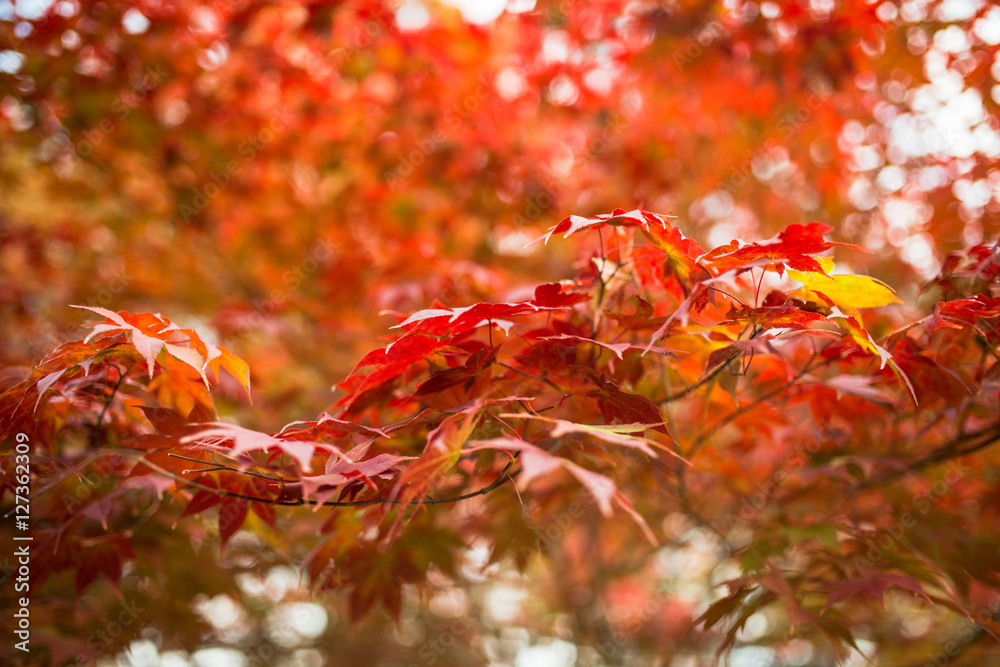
(504, 325)
(244, 440)
(212, 353)
(852, 385)
(537, 463)
(104, 312)
(352, 427)
(568, 226)
(613, 434)
(618, 348)
(440, 322)
(373, 467)
(99, 511)
(444, 446)
(156, 485)
(478, 403)
(638, 518)
(873, 586)
(189, 356)
(601, 487)
(421, 315)
(45, 382)
(321, 487)
(147, 346)
(356, 454)
(220, 358)
(347, 470)
(99, 329)
(332, 427)
(300, 451)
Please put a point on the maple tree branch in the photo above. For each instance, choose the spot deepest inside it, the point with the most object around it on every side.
(74, 469)
(223, 466)
(533, 377)
(707, 378)
(681, 486)
(500, 480)
(973, 442)
(731, 296)
(92, 436)
(990, 436)
(689, 390)
(742, 410)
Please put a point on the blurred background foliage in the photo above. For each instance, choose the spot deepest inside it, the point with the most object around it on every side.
(279, 174)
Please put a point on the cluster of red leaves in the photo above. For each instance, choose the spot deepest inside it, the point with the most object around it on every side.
(566, 388)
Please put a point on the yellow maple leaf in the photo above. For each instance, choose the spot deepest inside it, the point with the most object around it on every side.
(847, 291)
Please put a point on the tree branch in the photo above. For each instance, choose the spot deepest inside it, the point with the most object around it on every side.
(501, 479)
(960, 446)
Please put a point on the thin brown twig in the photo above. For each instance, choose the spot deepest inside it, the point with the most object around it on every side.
(501, 479)
(742, 410)
(957, 448)
(92, 438)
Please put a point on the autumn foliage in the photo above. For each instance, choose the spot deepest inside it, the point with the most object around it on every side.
(761, 418)
(585, 384)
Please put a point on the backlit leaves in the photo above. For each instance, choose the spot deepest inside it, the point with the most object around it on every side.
(563, 390)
